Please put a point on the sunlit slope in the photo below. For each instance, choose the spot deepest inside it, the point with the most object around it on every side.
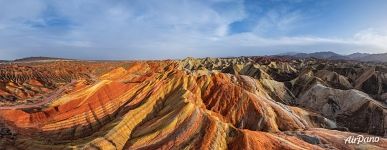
(170, 105)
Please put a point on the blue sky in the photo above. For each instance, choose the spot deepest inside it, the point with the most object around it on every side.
(161, 29)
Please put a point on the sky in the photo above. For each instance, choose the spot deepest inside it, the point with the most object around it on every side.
(170, 29)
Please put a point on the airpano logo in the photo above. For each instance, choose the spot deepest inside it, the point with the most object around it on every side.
(361, 139)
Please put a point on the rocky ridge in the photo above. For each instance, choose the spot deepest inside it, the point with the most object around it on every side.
(209, 103)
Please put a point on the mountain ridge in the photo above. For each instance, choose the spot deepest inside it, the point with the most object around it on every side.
(39, 58)
(194, 103)
(329, 55)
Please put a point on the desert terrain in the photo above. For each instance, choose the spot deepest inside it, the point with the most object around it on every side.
(194, 103)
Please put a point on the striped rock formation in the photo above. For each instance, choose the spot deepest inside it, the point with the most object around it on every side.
(187, 104)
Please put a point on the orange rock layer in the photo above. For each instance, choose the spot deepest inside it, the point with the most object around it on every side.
(159, 105)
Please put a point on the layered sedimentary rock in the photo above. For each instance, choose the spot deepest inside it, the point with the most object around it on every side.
(211, 103)
(350, 108)
(32, 81)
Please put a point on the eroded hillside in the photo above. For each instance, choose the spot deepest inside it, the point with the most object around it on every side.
(210, 103)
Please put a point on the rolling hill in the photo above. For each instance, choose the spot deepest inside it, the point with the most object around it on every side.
(194, 103)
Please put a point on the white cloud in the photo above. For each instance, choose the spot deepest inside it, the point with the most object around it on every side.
(157, 29)
(278, 21)
(372, 37)
(19, 10)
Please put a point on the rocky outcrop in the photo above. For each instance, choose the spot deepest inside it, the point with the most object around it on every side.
(334, 79)
(29, 82)
(210, 103)
(350, 108)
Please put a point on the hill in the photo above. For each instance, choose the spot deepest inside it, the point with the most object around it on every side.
(40, 58)
(321, 55)
(357, 55)
(374, 58)
(365, 57)
(194, 103)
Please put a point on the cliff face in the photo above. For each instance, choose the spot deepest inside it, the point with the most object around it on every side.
(223, 103)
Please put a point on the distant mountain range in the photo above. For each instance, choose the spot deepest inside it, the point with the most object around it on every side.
(365, 57)
(334, 56)
(34, 59)
(40, 58)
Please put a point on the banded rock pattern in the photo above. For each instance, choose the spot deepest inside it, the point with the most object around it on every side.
(196, 104)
